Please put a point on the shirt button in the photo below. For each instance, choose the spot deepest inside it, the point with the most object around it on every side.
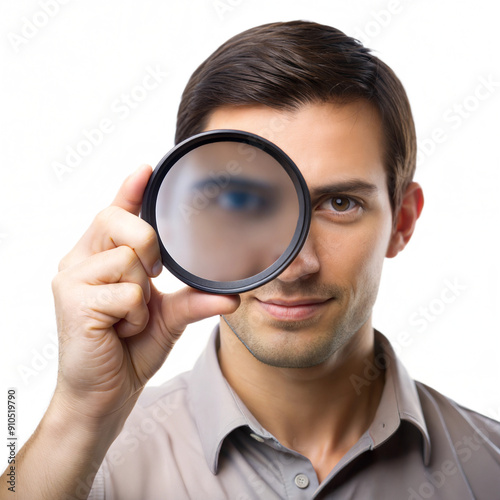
(302, 481)
(257, 438)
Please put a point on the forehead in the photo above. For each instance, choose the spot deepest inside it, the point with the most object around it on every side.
(328, 142)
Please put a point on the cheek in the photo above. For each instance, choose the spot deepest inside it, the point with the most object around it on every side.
(353, 255)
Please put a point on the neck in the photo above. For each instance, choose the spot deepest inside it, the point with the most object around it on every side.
(321, 411)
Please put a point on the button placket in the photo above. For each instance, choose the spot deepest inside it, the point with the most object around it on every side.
(301, 481)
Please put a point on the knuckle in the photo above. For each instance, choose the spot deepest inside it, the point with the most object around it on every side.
(68, 260)
(63, 263)
(128, 257)
(134, 294)
(149, 237)
(101, 218)
(105, 219)
(105, 215)
(142, 317)
(56, 283)
(60, 282)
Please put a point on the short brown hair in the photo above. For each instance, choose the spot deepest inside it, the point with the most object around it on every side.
(286, 65)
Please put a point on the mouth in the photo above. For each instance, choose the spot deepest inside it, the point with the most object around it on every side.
(294, 309)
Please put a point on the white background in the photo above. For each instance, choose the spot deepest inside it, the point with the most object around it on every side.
(70, 73)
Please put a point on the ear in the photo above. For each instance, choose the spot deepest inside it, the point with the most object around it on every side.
(406, 218)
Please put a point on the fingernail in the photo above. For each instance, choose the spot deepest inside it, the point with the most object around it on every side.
(157, 268)
(142, 167)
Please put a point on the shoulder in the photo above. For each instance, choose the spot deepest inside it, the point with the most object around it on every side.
(160, 408)
(162, 414)
(150, 452)
(175, 390)
(461, 423)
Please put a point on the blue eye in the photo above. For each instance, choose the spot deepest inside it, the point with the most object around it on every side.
(237, 196)
(241, 201)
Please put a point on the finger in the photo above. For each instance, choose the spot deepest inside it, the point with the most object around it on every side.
(129, 196)
(118, 265)
(134, 322)
(115, 227)
(119, 304)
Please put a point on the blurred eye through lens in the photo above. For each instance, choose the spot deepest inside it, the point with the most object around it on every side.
(227, 211)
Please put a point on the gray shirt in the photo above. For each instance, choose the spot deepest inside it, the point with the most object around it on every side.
(193, 438)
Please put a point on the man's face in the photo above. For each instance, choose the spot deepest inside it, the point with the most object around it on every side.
(326, 295)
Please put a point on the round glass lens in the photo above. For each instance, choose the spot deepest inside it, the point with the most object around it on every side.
(226, 211)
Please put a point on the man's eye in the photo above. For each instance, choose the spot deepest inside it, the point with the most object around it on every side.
(240, 201)
(339, 204)
(238, 197)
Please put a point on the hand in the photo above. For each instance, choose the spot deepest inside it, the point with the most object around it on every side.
(115, 328)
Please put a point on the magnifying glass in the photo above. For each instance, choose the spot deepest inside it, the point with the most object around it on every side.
(231, 211)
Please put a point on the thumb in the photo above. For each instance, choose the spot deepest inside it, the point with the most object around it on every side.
(129, 196)
(189, 305)
(169, 316)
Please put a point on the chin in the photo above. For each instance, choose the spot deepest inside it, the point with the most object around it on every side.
(293, 349)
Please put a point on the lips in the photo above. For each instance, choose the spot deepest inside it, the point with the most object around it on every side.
(293, 310)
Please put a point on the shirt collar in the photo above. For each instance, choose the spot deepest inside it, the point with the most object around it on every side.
(218, 411)
(399, 401)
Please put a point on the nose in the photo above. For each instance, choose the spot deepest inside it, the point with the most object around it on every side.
(304, 265)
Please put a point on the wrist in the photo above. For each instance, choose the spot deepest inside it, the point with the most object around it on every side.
(88, 429)
(61, 458)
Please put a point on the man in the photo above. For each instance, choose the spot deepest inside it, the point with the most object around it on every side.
(280, 404)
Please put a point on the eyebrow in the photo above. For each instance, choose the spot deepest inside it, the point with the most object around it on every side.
(233, 183)
(354, 186)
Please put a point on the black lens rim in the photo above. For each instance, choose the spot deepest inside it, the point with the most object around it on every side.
(148, 212)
